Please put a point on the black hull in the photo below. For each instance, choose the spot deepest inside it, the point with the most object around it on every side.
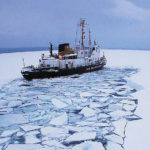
(45, 73)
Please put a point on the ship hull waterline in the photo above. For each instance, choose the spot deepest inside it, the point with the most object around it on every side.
(46, 73)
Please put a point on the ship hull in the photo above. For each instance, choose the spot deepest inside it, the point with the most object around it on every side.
(40, 73)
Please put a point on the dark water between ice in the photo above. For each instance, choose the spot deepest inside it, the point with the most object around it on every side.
(63, 113)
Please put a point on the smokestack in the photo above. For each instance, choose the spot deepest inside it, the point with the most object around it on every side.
(51, 49)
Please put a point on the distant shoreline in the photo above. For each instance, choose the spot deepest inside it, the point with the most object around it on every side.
(32, 49)
(27, 49)
(23, 49)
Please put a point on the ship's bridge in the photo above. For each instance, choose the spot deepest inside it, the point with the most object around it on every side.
(84, 53)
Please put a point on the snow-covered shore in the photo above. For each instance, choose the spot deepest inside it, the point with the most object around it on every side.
(138, 132)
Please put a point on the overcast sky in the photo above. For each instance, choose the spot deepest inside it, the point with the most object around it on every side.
(114, 23)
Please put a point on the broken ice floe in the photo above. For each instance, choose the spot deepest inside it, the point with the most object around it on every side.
(86, 112)
(8, 133)
(14, 103)
(24, 147)
(113, 146)
(60, 120)
(4, 140)
(114, 138)
(120, 126)
(27, 127)
(53, 132)
(57, 103)
(81, 136)
(32, 139)
(10, 119)
(53, 143)
(3, 103)
(89, 146)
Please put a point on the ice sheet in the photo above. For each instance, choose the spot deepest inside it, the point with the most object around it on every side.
(111, 99)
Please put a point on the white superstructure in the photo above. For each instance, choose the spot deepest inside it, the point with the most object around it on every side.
(81, 55)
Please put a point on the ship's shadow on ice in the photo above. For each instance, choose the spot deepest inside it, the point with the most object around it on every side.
(69, 112)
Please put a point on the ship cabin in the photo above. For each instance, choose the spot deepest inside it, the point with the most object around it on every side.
(70, 56)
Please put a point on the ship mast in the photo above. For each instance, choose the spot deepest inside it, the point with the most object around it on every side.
(82, 24)
(90, 42)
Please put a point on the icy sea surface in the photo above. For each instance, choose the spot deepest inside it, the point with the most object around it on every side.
(87, 111)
